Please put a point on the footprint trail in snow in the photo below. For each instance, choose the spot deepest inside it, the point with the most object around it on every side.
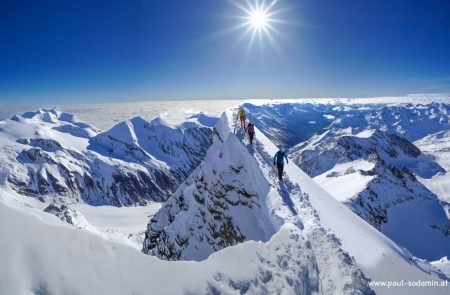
(336, 270)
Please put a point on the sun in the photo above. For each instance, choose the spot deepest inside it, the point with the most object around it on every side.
(258, 23)
(258, 19)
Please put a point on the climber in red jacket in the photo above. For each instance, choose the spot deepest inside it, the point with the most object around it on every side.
(250, 129)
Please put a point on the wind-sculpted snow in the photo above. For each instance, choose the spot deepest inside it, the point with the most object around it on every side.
(49, 154)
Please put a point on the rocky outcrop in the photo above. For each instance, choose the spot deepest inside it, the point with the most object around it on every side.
(68, 215)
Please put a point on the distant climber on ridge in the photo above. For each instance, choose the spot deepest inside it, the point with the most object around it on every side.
(278, 160)
(241, 116)
(250, 129)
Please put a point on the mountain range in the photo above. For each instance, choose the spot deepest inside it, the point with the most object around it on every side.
(363, 201)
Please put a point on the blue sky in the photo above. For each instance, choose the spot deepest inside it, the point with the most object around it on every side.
(100, 51)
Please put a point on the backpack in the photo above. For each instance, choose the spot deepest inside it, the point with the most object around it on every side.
(251, 128)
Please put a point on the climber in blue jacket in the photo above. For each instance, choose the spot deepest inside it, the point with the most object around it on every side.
(278, 160)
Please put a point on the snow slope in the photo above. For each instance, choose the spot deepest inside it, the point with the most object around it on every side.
(378, 257)
(443, 264)
(340, 240)
(78, 262)
(343, 182)
(125, 225)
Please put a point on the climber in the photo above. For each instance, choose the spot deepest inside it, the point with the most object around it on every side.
(241, 116)
(278, 160)
(250, 129)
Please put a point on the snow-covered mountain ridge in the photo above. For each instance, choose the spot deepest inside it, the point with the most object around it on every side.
(251, 234)
(50, 154)
(291, 123)
(203, 217)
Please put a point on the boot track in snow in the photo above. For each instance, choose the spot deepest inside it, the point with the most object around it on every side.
(337, 271)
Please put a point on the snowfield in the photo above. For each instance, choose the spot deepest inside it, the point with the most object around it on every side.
(231, 227)
(345, 185)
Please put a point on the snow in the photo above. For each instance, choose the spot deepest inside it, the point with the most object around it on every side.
(285, 262)
(88, 264)
(344, 185)
(227, 191)
(30, 128)
(410, 99)
(443, 264)
(410, 224)
(303, 203)
(438, 145)
(378, 257)
(65, 157)
(365, 134)
(158, 143)
(125, 224)
(301, 240)
(371, 132)
(384, 196)
(286, 121)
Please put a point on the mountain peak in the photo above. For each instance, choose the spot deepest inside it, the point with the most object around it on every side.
(204, 119)
(139, 121)
(57, 120)
(160, 121)
(46, 115)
